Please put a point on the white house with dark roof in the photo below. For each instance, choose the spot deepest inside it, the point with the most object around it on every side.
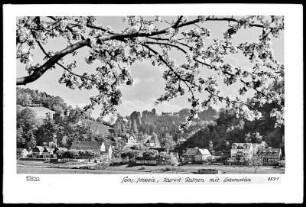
(205, 154)
(103, 148)
(195, 155)
(151, 141)
(271, 156)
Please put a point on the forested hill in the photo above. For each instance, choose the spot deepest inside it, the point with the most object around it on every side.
(29, 97)
(228, 127)
(31, 131)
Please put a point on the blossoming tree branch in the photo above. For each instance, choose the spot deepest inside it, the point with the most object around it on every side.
(154, 39)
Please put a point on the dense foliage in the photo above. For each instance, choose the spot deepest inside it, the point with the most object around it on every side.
(76, 154)
(230, 128)
(208, 126)
(27, 97)
(31, 131)
(26, 127)
(163, 127)
(202, 66)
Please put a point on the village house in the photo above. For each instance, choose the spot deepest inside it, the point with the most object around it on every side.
(102, 149)
(131, 140)
(46, 153)
(205, 154)
(271, 156)
(106, 151)
(151, 141)
(42, 152)
(243, 151)
(37, 152)
(188, 155)
(195, 155)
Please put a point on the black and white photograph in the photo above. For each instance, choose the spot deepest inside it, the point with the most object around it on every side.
(190, 94)
(195, 94)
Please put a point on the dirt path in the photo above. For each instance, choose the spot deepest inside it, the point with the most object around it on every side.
(45, 168)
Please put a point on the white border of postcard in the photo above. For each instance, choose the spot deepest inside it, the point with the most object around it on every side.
(92, 188)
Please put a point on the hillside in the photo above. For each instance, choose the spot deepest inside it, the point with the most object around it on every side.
(97, 128)
(66, 123)
(228, 127)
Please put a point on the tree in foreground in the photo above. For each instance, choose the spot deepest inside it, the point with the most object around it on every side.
(27, 124)
(201, 68)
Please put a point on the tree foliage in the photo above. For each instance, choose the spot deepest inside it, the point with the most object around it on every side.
(154, 40)
(47, 131)
(67, 128)
(26, 126)
(168, 142)
(27, 97)
(164, 128)
(228, 129)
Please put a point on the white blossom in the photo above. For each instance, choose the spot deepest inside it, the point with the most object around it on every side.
(171, 30)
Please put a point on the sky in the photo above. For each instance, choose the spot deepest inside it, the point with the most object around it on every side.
(148, 82)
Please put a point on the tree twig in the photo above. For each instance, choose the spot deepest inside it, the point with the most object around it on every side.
(38, 72)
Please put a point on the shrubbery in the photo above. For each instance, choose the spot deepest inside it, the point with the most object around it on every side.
(60, 153)
(130, 154)
(76, 154)
(86, 153)
(150, 154)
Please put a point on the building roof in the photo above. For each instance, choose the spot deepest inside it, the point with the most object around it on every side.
(90, 145)
(40, 148)
(181, 139)
(191, 151)
(50, 149)
(194, 151)
(137, 146)
(60, 148)
(118, 138)
(204, 152)
(152, 139)
(147, 139)
(107, 147)
(272, 152)
(241, 145)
